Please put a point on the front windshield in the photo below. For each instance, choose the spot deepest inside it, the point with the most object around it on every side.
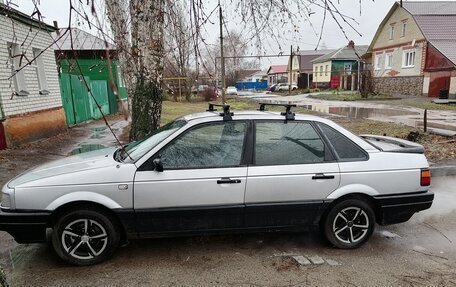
(135, 150)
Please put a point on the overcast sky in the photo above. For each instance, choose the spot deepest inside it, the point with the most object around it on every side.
(305, 37)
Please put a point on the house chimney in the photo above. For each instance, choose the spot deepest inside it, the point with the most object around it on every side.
(351, 44)
(56, 26)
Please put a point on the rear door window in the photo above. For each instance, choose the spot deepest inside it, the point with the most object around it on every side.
(281, 143)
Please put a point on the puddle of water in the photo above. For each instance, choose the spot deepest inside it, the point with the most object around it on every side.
(99, 129)
(86, 147)
(360, 112)
(97, 136)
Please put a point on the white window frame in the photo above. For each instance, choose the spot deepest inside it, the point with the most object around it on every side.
(20, 83)
(38, 64)
(378, 62)
(321, 70)
(408, 61)
(347, 68)
(391, 32)
(403, 29)
(388, 61)
(326, 69)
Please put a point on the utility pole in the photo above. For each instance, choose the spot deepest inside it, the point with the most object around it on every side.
(222, 59)
(290, 68)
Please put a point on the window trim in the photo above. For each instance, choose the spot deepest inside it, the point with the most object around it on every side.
(403, 28)
(404, 58)
(19, 79)
(335, 154)
(148, 164)
(378, 61)
(391, 32)
(390, 66)
(40, 71)
(253, 163)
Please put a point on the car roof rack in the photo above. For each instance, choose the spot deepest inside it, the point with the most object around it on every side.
(227, 114)
(288, 114)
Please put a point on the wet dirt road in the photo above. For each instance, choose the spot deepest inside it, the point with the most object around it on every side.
(420, 252)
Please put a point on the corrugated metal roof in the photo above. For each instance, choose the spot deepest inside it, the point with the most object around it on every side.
(307, 56)
(278, 69)
(430, 7)
(344, 53)
(82, 40)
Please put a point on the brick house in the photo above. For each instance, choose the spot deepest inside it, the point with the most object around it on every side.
(413, 51)
(30, 102)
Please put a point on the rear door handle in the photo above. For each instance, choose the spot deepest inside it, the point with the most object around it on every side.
(322, 176)
(226, 180)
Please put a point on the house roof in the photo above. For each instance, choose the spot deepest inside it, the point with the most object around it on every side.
(82, 40)
(436, 19)
(24, 18)
(344, 53)
(278, 69)
(307, 56)
(257, 73)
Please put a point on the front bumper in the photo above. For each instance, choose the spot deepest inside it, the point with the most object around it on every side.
(400, 207)
(25, 227)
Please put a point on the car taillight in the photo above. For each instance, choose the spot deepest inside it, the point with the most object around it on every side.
(425, 177)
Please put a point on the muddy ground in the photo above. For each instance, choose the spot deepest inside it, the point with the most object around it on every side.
(420, 252)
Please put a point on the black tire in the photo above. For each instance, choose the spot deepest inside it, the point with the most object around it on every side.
(90, 237)
(349, 224)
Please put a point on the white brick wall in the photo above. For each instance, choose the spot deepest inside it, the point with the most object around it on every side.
(34, 101)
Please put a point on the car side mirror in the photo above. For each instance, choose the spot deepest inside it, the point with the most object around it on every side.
(158, 165)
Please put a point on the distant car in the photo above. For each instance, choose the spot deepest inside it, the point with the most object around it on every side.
(231, 90)
(272, 88)
(202, 88)
(284, 87)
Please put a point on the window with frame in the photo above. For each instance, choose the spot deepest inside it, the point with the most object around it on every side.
(391, 32)
(403, 29)
(388, 61)
(321, 70)
(408, 59)
(347, 68)
(282, 143)
(211, 145)
(378, 61)
(326, 70)
(345, 149)
(17, 61)
(38, 64)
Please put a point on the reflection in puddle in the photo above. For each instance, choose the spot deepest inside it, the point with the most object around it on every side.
(86, 147)
(360, 112)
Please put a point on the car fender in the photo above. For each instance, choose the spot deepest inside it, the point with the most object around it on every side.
(353, 188)
(85, 196)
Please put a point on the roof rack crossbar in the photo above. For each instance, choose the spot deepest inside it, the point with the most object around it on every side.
(288, 114)
(227, 114)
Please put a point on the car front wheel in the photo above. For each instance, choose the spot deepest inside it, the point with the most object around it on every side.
(349, 224)
(85, 237)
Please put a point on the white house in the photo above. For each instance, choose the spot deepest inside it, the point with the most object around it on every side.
(30, 102)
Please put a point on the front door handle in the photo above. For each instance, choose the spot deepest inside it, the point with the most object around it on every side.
(227, 180)
(322, 176)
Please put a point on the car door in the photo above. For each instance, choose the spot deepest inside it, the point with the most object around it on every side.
(202, 184)
(293, 171)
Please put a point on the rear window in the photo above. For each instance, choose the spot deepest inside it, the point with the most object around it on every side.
(345, 149)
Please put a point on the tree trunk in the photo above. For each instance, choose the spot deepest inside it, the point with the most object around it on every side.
(147, 20)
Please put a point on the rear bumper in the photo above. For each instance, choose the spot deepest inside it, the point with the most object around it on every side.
(25, 227)
(400, 207)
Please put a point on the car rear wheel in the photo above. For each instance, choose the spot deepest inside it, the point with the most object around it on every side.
(85, 237)
(349, 223)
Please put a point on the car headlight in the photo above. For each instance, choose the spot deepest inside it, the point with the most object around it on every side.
(6, 200)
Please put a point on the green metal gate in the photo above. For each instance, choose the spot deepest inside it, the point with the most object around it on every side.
(100, 92)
